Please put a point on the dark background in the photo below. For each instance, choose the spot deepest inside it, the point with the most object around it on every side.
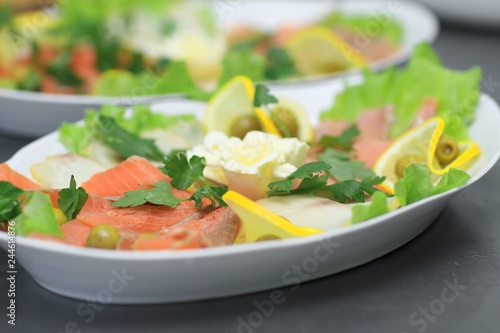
(462, 246)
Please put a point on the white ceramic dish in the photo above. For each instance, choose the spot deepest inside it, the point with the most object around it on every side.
(34, 114)
(482, 13)
(166, 276)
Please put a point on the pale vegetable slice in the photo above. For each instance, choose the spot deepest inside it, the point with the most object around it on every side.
(104, 155)
(56, 171)
(183, 135)
(259, 223)
(318, 50)
(310, 211)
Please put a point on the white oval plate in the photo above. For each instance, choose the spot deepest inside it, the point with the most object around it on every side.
(32, 114)
(167, 276)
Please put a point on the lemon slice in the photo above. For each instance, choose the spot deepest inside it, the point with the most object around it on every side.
(305, 130)
(235, 100)
(467, 150)
(36, 19)
(232, 101)
(421, 141)
(318, 50)
(258, 223)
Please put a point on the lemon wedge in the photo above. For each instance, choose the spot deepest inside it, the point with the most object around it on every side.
(305, 130)
(420, 144)
(318, 50)
(259, 223)
(467, 150)
(36, 19)
(233, 100)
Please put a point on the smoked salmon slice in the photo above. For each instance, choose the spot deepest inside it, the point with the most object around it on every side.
(75, 232)
(134, 173)
(146, 218)
(217, 227)
(15, 178)
(428, 109)
(178, 238)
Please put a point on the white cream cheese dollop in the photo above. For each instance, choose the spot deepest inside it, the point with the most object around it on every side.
(247, 166)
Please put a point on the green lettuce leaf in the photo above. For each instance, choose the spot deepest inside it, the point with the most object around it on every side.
(243, 62)
(78, 137)
(417, 184)
(388, 28)
(376, 207)
(115, 83)
(457, 94)
(38, 216)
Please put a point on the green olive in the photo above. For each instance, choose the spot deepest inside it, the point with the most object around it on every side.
(103, 236)
(285, 121)
(405, 161)
(447, 150)
(245, 124)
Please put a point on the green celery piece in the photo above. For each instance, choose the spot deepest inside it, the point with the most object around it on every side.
(378, 206)
(243, 62)
(38, 216)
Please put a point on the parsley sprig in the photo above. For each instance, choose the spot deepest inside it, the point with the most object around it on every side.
(342, 167)
(262, 96)
(72, 199)
(10, 205)
(312, 178)
(126, 143)
(184, 173)
(342, 142)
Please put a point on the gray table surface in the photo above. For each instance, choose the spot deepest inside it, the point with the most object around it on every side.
(445, 280)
